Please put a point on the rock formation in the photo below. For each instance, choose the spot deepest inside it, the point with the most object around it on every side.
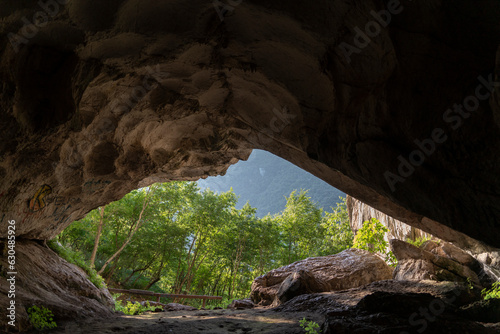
(241, 304)
(360, 212)
(397, 307)
(44, 279)
(347, 269)
(392, 102)
(488, 256)
(103, 98)
(437, 261)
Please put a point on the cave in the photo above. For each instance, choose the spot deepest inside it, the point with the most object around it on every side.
(395, 103)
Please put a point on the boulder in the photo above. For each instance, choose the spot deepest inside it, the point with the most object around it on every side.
(240, 304)
(437, 261)
(391, 306)
(45, 279)
(487, 257)
(348, 269)
(482, 310)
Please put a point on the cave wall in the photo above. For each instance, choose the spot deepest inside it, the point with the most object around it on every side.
(44, 278)
(360, 212)
(102, 97)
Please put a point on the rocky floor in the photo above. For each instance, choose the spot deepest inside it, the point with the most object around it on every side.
(208, 322)
(383, 307)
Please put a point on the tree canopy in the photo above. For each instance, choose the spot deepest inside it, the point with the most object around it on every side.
(175, 237)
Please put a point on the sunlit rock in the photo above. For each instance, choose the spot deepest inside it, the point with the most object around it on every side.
(347, 269)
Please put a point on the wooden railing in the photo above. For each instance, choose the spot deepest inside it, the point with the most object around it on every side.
(167, 295)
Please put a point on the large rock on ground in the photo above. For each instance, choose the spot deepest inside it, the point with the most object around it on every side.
(106, 98)
(483, 310)
(348, 269)
(488, 256)
(60, 286)
(240, 304)
(392, 307)
(437, 261)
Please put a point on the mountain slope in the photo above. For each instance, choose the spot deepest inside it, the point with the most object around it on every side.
(265, 179)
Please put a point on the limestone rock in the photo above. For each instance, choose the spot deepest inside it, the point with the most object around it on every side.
(103, 99)
(392, 307)
(44, 279)
(482, 310)
(487, 265)
(240, 304)
(441, 262)
(347, 269)
(360, 212)
(298, 283)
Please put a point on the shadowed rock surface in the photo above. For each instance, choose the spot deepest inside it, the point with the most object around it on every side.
(95, 105)
(360, 212)
(109, 96)
(489, 257)
(43, 278)
(440, 262)
(347, 269)
(393, 307)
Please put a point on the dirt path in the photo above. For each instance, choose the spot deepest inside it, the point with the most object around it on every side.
(208, 322)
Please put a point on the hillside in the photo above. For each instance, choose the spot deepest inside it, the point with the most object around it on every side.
(265, 179)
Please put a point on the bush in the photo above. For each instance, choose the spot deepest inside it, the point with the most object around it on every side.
(310, 327)
(77, 259)
(133, 308)
(41, 318)
(371, 238)
(494, 292)
(417, 242)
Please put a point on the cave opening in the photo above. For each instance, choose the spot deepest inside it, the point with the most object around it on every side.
(253, 211)
(101, 100)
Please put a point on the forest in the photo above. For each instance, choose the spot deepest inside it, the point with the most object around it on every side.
(177, 238)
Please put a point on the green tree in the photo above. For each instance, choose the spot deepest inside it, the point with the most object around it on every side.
(299, 224)
(337, 231)
(371, 237)
(182, 240)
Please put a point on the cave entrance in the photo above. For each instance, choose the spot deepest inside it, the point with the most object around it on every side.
(210, 237)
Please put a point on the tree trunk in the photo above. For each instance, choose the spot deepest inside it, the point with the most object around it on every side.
(144, 206)
(151, 282)
(97, 236)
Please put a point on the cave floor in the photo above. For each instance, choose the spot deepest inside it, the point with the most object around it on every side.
(258, 320)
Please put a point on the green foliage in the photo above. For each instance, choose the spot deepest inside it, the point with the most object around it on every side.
(493, 292)
(310, 327)
(336, 230)
(371, 238)
(418, 242)
(133, 308)
(197, 242)
(469, 284)
(78, 260)
(299, 224)
(41, 317)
